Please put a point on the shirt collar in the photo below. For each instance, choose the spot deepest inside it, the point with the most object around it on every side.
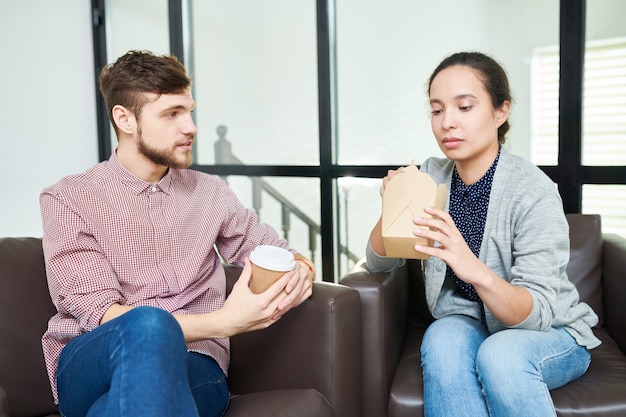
(136, 184)
(479, 187)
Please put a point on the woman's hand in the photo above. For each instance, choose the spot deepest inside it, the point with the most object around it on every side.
(451, 248)
(376, 236)
(390, 174)
(509, 303)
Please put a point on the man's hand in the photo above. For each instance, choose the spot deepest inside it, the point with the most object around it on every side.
(300, 286)
(244, 311)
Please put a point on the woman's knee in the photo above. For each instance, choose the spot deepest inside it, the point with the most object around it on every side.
(513, 355)
(452, 338)
(505, 357)
(451, 330)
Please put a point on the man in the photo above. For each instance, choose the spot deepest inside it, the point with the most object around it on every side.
(132, 249)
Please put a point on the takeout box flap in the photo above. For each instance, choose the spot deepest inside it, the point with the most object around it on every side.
(403, 199)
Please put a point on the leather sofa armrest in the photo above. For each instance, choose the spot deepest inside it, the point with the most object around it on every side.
(384, 311)
(4, 403)
(315, 345)
(614, 287)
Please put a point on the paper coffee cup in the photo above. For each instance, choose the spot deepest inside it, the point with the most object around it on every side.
(269, 263)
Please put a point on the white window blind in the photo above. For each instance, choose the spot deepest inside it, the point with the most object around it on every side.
(544, 106)
(608, 201)
(604, 105)
(604, 121)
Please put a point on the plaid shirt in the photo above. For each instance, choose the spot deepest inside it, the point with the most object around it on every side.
(110, 237)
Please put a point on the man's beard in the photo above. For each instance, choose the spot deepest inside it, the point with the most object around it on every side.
(161, 156)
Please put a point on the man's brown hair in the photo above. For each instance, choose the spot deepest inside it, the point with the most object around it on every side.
(126, 81)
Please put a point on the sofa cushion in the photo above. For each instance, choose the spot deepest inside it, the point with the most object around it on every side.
(614, 287)
(25, 308)
(406, 396)
(280, 403)
(600, 391)
(4, 403)
(585, 265)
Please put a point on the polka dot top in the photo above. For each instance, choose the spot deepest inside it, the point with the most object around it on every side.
(468, 208)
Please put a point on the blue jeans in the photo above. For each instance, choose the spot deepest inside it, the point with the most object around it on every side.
(468, 372)
(138, 365)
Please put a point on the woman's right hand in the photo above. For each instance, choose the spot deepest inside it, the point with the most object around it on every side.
(390, 174)
(376, 238)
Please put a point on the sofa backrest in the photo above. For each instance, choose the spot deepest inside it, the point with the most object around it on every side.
(25, 308)
(585, 264)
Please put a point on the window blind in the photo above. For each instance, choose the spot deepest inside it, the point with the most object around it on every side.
(604, 121)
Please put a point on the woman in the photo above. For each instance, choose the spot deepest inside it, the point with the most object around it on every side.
(509, 325)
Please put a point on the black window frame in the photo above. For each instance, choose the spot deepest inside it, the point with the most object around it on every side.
(569, 175)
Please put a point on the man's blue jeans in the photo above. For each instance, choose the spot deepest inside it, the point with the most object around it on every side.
(138, 365)
(468, 372)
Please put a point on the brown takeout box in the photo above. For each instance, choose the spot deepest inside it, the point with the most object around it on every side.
(404, 198)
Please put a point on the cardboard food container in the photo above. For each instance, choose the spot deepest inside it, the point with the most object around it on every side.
(404, 198)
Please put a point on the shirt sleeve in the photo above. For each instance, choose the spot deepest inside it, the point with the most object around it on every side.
(541, 254)
(377, 263)
(81, 280)
(241, 231)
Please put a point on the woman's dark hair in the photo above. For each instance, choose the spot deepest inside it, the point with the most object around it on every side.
(491, 74)
(126, 81)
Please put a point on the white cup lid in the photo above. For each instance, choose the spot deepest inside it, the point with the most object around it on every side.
(273, 258)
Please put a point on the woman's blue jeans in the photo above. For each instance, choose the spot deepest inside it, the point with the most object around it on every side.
(468, 372)
(138, 365)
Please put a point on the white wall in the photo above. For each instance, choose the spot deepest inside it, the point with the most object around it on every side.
(47, 106)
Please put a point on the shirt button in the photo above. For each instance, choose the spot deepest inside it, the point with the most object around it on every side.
(439, 267)
(154, 189)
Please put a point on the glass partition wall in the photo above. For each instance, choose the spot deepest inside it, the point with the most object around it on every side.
(303, 106)
(604, 111)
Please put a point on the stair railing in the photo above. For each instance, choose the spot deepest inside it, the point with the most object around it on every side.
(224, 155)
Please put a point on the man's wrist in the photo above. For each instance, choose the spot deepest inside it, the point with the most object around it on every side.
(306, 264)
(309, 267)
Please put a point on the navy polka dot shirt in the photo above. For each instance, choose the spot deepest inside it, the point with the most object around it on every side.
(468, 208)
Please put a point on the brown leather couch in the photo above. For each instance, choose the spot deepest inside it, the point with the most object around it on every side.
(394, 318)
(307, 364)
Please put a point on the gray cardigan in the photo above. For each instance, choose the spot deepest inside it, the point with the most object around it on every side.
(526, 242)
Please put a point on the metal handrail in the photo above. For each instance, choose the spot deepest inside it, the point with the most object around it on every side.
(224, 155)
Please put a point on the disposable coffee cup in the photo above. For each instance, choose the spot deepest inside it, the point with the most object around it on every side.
(269, 263)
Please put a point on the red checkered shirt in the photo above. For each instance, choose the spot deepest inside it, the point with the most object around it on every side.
(110, 237)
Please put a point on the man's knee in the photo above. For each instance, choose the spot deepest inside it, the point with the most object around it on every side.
(151, 323)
